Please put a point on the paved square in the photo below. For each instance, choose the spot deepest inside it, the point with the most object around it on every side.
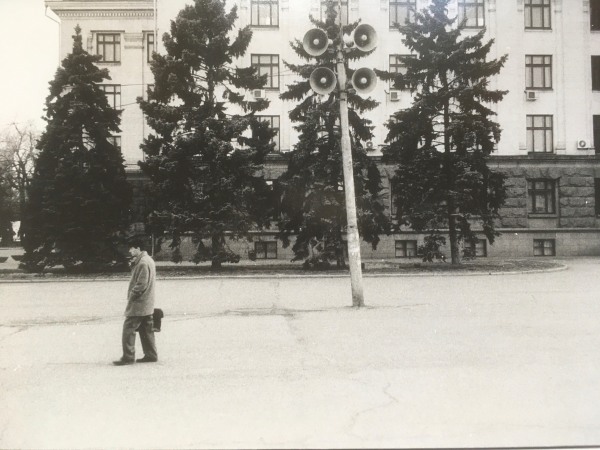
(432, 361)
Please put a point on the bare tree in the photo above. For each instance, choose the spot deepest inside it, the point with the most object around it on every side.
(17, 157)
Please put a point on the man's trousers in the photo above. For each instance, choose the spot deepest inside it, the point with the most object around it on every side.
(146, 329)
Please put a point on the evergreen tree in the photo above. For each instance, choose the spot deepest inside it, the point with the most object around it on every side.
(441, 144)
(204, 166)
(79, 196)
(313, 203)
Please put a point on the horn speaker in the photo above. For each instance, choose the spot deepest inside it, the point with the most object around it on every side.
(364, 80)
(315, 42)
(323, 80)
(365, 37)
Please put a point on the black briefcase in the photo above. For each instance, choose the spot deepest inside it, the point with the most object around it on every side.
(157, 316)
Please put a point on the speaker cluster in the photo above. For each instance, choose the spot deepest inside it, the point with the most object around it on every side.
(323, 80)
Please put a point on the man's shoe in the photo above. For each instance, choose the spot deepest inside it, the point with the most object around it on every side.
(145, 359)
(123, 362)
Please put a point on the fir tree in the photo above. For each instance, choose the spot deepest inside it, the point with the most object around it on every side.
(79, 196)
(204, 167)
(441, 144)
(313, 203)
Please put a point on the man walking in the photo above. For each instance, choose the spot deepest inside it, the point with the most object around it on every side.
(140, 306)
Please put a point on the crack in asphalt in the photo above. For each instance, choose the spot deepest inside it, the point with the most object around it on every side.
(55, 322)
(356, 416)
(9, 335)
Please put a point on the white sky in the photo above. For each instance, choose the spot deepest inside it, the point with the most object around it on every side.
(29, 55)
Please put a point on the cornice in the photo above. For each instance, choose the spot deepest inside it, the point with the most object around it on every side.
(64, 9)
(67, 14)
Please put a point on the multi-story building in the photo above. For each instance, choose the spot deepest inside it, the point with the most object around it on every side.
(550, 117)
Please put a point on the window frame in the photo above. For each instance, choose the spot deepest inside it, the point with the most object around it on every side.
(530, 68)
(275, 188)
(102, 43)
(345, 12)
(148, 45)
(396, 62)
(547, 192)
(264, 253)
(255, 13)
(403, 246)
(596, 132)
(277, 138)
(478, 5)
(595, 67)
(394, 210)
(116, 94)
(479, 248)
(594, 15)
(271, 77)
(597, 196)
(540, 244)
(545, 8)
(548, 133)
(115, 140)
(398, 5)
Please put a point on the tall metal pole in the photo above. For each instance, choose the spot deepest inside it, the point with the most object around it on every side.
(352, 229)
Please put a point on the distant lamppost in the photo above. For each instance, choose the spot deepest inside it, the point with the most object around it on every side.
(323, 81)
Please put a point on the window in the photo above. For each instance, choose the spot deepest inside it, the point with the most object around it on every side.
(108, 45)
(471, 11)
(401, 11)
(113, 94)
(539, 134)
(595, 73)
(268, 65)
(542, 197)
(395, 212)
(344, 13)
(597, 195)
(406, 249)
(538, 71)
(275, 198)
(544, 247)
(398, 65)
(594, 15)
(266, 250)
(265, 13)
(477, 249)
(149, 46)
(273, 122)
(537, 14)
(597, 134)
(149, 90)
(115, 140)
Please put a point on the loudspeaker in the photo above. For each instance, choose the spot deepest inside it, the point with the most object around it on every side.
(315, 42)
(365, 37)
(323, 80)
(364, 80)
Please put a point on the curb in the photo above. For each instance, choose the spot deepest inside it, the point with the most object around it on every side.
(291, 276)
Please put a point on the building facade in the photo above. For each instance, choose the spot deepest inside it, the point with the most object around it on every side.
(550, 116)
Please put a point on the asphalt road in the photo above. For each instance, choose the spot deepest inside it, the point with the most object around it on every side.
(432, 361)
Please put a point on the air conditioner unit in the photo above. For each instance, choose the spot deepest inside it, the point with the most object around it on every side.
(394, 95)
(259, 93)
(583, 144)
(530, 96)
